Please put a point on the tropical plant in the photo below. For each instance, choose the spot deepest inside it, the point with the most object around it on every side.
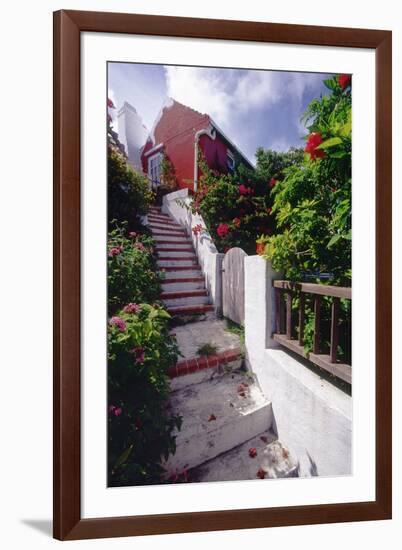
(312, 204)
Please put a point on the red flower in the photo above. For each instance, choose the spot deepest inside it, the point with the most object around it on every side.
(261, 473)
(252, 453)
(243, 190)
(237, 222)
(313, 141)
(222, 229)
(110, 103)
(272, 182)
(344, 80)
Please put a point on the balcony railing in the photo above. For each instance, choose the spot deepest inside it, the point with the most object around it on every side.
(285, 293)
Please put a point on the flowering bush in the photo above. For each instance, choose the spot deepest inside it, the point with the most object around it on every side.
(140, 351)
(132, 273)
(237, 208)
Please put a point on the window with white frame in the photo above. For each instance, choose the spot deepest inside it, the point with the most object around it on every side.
(230, 160)
(155, 168)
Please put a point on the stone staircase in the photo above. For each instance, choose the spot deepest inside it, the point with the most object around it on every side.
(183, 288)
(221, 405)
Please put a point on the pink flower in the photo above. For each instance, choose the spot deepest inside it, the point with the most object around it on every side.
(110, 103)
(118, 322)
(115, 251)
(132, 308)
(116, 411)
(222, 229)
(112, 409)
(139, 354)
(133, 234)
(140, 246)
(269, 210)
(237, 222)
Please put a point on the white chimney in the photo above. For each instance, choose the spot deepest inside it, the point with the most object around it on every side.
(132, 133)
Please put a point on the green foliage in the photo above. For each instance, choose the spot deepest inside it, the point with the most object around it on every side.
(312, 204)
(132, 275)
(206, 350)
(140, 351)
(129, 195)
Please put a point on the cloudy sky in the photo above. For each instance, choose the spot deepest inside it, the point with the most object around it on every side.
(254, 108)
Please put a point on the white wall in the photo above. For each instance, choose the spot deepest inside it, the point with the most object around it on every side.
(25, 218)
(312, 417)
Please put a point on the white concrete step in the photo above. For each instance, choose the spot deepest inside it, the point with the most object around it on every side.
(186, 301)
(161, 231)
(262, 457)
(182, 262)
(216, 418)
(161, 218)
(171, 238)
(179, 245)
(183, 284)
(157, 226)
(187, 273)
(186, 253)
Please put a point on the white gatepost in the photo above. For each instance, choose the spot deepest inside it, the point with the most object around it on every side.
(259, 299)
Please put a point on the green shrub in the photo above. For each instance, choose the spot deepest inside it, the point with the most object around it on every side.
(129, 194)
(132, 275)
(140, 351)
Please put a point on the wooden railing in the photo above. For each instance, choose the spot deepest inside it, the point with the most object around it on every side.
(285, 292)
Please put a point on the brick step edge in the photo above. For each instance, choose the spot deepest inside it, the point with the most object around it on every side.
(183, 241)
(194, 267)
(156, 219)
(177, 258)
(159, 224)
(168, 233)
(188, 366)
(183, 294)
(159, 250)
(183, 280)
(189, 310)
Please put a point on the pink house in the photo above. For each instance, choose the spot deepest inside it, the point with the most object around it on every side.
(180, 133)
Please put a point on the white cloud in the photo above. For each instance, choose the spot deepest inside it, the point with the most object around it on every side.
(223, 93)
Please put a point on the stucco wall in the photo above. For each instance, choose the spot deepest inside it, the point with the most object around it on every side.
(312, 416)
(176, 204)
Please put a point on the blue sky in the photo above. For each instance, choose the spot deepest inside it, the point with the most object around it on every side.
(254, 108)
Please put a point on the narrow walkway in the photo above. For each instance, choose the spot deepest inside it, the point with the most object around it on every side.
(226, 419)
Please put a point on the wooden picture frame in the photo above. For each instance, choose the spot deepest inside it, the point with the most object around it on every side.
(68, 26)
